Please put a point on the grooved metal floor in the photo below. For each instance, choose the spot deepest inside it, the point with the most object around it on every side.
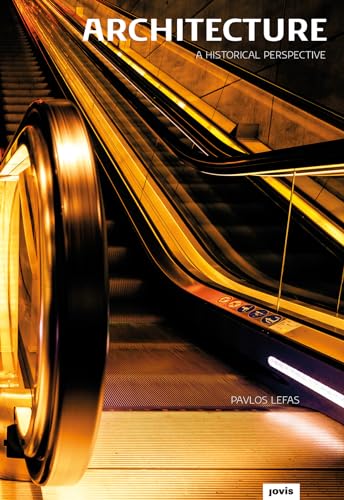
(204, 455)
(162, 371)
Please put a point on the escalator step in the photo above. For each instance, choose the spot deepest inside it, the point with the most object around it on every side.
(255, 238)
(146, 335)
(118, 256)
(203, 193)
(33, 92)
(23, 100)
(25, 85)
(269, 263)
(122, 261)
(12, 70)
(120, 314)
(249, 213)
(17, 55)
(17, 109)
(26, 67)
(13, 117)
(126, 288)
(185, 173)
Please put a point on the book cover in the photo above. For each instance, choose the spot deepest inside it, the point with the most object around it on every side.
(172, 209)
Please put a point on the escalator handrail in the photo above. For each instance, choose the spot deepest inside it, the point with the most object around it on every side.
(324, 158)
(129, 68)
(301, 160)
(198, 253)
(320, 159)
(70, 242)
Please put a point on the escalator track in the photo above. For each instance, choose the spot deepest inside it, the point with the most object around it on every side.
(245, 217)
(151, 100)
(254, 224)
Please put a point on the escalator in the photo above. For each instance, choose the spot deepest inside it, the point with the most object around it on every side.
(198, 439)
(141, 332)
(23, 78)
(258, 216)
(253, 222)
(160, 359)
(154, 361)
(242, 223)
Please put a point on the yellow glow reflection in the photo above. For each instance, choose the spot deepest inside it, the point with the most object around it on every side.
(9, 239)
(17, 163)
(68, 151)
(309, 429)
(23, 417)
(315, 215)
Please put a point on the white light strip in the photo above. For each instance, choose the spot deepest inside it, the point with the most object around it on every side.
(310, 382)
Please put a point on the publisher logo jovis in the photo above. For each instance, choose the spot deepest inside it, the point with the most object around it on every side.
(278, 491)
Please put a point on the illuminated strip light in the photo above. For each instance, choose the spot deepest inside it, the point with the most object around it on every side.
(309, 382)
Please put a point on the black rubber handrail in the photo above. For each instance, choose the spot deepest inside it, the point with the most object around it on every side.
(324, 158)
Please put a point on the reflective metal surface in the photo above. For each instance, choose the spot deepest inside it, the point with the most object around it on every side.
(168, 455)
(61, 307)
